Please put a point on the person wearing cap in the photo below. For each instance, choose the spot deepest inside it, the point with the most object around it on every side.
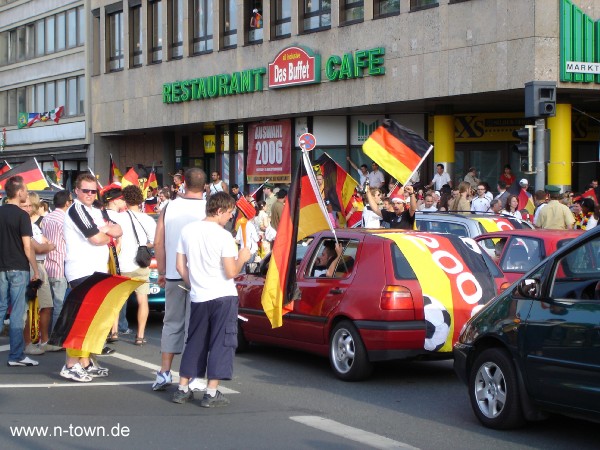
(471, 178)
(555, 215)
(401, 218)
(277, 208)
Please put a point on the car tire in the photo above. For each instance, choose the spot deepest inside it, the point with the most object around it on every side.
(243, 344)
(347, 354)
(494, 390)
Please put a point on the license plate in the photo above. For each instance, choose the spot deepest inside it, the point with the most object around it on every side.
(154, 289)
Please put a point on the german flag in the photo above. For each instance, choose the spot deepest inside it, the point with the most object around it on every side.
(89, 311)
(312, 218)
(398, 150)
(32, 175)
(113, 171)
(57, 170)
(525, 198)
(131, 177)
(339, 185)
(593, 193)
(151, 182)
(4, 167)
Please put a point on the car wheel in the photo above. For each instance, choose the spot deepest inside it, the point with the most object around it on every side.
(347, 353)
(494, 391)
(243, 344)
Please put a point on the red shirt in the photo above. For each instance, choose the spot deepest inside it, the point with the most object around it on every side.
(508, 179)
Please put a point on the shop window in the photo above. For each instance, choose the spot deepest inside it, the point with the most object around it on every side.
(281, 22)
(202, 39)
(176, 27)
(254, 19)
(384, 8)
(317, 15)
(115, 41)
(155, 19)
(351, 11)
(416, 5)
(136, 36)
(229, 23)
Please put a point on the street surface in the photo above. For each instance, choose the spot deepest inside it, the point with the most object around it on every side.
(279, 399)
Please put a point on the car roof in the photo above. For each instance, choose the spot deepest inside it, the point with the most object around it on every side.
(541, 233)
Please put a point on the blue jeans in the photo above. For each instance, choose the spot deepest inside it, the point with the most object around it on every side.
(12, 293)
(58, 287)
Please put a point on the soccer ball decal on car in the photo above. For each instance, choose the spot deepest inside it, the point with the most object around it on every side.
(437, 324)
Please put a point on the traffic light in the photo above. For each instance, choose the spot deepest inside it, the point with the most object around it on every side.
(525, 147)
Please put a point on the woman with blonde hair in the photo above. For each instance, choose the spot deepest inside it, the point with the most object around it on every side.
(462, 203)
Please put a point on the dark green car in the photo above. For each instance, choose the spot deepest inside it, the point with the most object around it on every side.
(535, 348)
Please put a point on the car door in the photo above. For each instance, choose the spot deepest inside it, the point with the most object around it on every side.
(321, 294)
(562, 333)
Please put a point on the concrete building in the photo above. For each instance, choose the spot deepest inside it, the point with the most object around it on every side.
(42, 68)
(216, 84)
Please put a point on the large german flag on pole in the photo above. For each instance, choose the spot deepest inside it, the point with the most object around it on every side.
(89, 311)
(32, 175)
(339, 185)
(280, 283)
(398, 150)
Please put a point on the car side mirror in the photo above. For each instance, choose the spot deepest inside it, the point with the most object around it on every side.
(530, 288)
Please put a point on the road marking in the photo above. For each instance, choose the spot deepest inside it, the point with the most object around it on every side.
(129, 359)
(354, 434)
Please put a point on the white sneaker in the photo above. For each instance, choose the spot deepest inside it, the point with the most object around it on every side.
(197, 384)
(33, 349)
(50, 348)
(75, 373)
(24, 362)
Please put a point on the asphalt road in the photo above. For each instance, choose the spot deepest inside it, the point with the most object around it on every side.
(279, 399)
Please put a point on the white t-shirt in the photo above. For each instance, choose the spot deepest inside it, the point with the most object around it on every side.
(205, 244)
(145, 229)
(251, 237)
(480, 204)
(39, 238)
(376, 179)
(83, 258)
(370, 219)
(516, 214)
(178, 214)
(441, 180)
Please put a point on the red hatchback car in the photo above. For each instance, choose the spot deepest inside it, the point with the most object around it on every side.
(517, 251)
(393, 295)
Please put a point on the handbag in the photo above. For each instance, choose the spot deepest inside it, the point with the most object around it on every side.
(143, 256)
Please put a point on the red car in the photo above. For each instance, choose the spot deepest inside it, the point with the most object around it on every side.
(518, 251)
(392, 295)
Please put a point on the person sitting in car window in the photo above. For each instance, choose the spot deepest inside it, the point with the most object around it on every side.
(323, 261)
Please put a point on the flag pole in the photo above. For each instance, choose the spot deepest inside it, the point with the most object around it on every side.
(97, 180)
(420, 163)
(313, 182)
(258, 189)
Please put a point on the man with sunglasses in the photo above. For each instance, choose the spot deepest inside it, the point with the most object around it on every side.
(86, 237)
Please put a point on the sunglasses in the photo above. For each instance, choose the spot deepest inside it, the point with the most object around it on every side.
(90, 191)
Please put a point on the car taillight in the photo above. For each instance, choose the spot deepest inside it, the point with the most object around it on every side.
(396, 297)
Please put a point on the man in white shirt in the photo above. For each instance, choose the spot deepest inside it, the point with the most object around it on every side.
(187, 208)
(363, 171)
(376, 178)
(440, 179)
(480, 203)
(429, 204)
(208, 260)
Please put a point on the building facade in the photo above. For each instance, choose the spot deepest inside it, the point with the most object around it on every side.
(42, 68)
(231, 85)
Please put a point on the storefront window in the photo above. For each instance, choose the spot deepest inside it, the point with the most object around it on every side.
(254, 19)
